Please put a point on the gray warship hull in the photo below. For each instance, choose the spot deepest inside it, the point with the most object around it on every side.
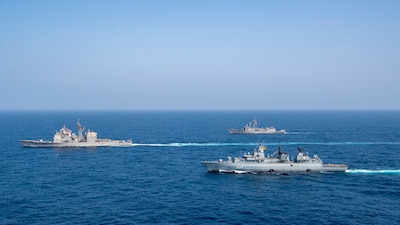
(257, 131)
(252, 128)
(98, 143)
(259, 162)
(260, 167)
(65, 138)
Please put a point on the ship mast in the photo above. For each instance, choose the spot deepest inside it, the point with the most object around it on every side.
(255, 122)
(80, 130)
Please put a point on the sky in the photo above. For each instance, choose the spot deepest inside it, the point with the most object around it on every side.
(200, 55)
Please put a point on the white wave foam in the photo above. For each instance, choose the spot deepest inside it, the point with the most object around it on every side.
(195, 144)
(365, 171)
(190, 144)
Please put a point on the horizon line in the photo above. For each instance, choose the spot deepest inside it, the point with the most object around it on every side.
(183, 110)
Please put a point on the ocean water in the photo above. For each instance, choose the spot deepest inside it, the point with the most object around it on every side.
(159, 180)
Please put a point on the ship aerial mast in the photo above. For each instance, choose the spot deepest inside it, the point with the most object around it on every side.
(255, 122)
(80, 130)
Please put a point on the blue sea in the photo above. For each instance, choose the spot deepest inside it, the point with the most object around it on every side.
(159, 180)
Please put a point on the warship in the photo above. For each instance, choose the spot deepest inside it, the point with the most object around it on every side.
(65, 138)
(259, 162)
(252, 128)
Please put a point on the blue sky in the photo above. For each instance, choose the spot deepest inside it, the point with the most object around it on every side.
(199, 55)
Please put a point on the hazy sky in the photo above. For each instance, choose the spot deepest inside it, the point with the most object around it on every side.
(217, 55)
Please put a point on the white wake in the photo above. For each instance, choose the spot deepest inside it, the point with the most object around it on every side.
(213, 144)
(365, 171)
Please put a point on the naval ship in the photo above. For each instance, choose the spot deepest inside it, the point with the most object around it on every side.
(65, 138)
(259, 162)
(252, 128)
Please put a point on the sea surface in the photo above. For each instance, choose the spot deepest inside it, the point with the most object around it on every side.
(159, 180)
